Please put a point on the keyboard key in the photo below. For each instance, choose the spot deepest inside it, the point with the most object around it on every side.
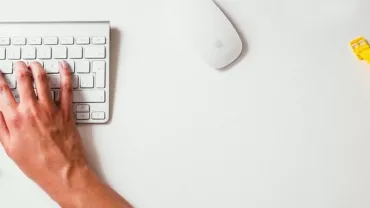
(87, 81)
(44, 53)
(59, 52)
(54, 81)
(6, 67)
(98, 115)
(74, 81)
(4, 41)
(13, 53)
(51, 67)
(95, 52)
(99, 68)
(66, 41)
(71, 65)
(52, 95)
(82, 66)
(18, 41)
(98, 40)
(56, 95)
(16, 96)
(2, 53)
(29, 53)
(83, 116)
(88, 96)
(75, 52)
(34, 41)
(50, 40)
(83, 108)
(10, 79)
(83, 40)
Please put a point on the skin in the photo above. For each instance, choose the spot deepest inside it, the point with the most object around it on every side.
(41, 137)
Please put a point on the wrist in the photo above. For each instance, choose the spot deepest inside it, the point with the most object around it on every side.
(76, 188)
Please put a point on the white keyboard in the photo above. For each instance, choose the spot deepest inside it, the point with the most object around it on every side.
(84, 45)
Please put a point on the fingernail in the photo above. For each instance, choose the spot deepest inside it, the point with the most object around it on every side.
(18, 65)
(64, 64)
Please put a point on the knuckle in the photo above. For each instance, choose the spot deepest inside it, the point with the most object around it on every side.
(41, 77)
(67, 74)
(10, 152)
(3, 87)
(15, 121)
(66, 87)
(23, 74)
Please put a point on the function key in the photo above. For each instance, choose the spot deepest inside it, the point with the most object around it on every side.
(34, 41)
(98, 40)
(50, 40)
(83, 40)
(19, 41)
(66, 40)
(4, 41)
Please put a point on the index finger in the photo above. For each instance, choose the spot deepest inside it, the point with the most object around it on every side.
(65, 89)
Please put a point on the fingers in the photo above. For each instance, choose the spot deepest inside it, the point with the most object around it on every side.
(4, 131)
(7, 101)
(41, 82)
(65, 89)
(24, 82)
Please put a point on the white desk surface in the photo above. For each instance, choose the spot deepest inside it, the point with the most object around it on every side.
(286, 127)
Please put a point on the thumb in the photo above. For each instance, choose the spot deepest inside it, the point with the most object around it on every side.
(4, 131)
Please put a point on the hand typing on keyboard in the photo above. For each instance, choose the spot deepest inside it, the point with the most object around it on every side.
(42, 139)
(88, 58)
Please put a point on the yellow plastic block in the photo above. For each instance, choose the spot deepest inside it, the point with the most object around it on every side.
(361, 48)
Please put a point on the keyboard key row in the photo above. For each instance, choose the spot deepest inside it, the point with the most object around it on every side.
(57, 52)
(83, 113)
(94, 116)
(52, 67)
(97, 40)
(78, 96)
(83, 81)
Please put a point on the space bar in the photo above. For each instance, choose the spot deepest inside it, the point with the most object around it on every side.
(88, 96)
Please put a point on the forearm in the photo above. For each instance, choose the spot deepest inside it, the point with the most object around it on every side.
(86, 190)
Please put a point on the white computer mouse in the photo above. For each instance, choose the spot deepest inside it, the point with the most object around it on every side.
(210, 32)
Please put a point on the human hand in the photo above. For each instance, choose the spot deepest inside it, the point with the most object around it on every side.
(42, 139)
(38, 135)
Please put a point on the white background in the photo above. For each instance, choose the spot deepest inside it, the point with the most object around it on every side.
(286, 127)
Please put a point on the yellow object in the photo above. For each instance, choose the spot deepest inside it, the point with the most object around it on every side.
(361, 48)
